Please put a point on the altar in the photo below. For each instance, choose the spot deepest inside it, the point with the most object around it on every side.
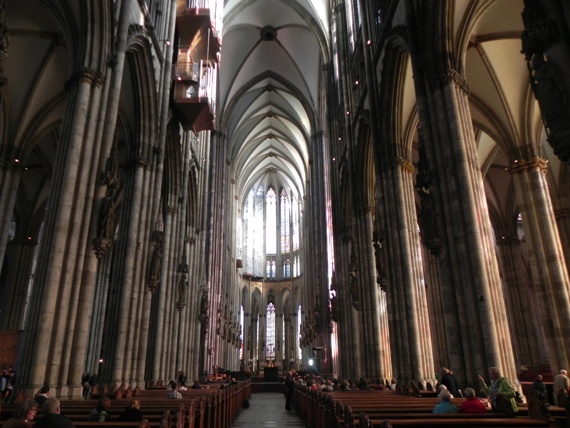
(271, 372)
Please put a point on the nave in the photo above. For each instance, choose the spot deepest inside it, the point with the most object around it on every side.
(267, 409)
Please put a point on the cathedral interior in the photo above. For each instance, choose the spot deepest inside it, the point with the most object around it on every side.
(372, 188)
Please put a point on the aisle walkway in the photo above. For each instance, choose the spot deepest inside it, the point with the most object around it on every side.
(267, 410)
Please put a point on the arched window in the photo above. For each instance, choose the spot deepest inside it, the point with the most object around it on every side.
(286, 268)
(270, 332)
(270, 222)
(285, 219)
(269, 233)
(295, 213)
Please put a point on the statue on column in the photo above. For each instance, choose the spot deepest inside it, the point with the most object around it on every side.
(156, 263)
(427, 216)
(106, 219)
(354, 292)
(182, 287)
(204, 315)
(183, 283)
(382, 279)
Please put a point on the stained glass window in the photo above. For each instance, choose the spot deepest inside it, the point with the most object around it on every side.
(295, 225)
(299, 350)
(286, 268)
(270, 346)
(241, 324)
(285, 218)
(270, 222)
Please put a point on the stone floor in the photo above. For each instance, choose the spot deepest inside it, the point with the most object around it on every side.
(267, 410)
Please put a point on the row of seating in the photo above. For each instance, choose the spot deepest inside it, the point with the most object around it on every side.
(365, 409)
(200, 408)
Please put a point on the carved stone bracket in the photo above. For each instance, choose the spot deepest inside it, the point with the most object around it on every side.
(101, 245)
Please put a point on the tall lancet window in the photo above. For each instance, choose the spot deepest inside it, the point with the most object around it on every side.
(295, 212)
(241, 330)
(269, 242)
(270, 346)
(270, 222)
(286, 268)
(285, 219)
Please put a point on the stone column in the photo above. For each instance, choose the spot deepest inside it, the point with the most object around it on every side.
(55, 297)
(562, 215)
(524, 320)
(368, 298)
(472, 294)
(10, 174)
(550, 274)
(19, 282)
(407, 300)
(435, 309)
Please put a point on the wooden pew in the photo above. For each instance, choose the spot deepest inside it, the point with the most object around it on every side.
(206, 408)
(337, 410)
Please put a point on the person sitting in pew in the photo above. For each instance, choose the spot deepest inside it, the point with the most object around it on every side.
(445, 405)
(24, 414)
(472, 404)
(442, 388)
(101, 412)
(42, 395)
(173, 390)
(132, 412)
(196, 385)
(539, 389)
(52, 416)
(363, 385)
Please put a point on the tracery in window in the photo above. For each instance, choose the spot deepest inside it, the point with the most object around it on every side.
(266, 217)
(241, 324)
(295, 224)
(285, 219)
(286, 268)
(270, 332)
(270, 222)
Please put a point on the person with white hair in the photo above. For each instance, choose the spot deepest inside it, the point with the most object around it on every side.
(441, 388)
(561, 383)
(500, 386)
(445, 405)
(472, 404)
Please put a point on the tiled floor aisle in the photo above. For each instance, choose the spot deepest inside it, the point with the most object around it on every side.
(267, 410)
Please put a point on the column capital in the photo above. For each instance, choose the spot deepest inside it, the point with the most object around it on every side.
(521, 165)
(404, 164)
(448, 77)
(84, 74)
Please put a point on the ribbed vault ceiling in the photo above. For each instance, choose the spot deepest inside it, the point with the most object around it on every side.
(272, 54)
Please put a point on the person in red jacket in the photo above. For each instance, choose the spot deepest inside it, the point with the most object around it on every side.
(472, 403)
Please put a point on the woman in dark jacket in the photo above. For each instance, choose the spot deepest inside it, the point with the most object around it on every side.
(131, 413)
